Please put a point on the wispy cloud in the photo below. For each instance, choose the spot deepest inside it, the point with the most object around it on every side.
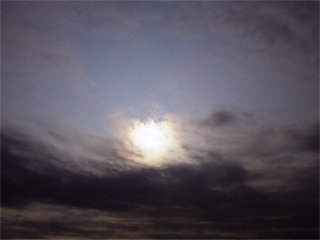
(247, 171)
(218, 187)
(39, 52)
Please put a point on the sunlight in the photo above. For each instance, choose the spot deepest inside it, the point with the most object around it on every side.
(153, 139)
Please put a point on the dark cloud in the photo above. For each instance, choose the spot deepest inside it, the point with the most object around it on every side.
(216, 191)
(219, 118)
(23, 172)
(305, 139)
(280, 142)
(234, 175)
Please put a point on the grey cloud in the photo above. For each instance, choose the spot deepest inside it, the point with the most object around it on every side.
(270, 153)
(219, 118)
(27, 162)
(259, 133)
(35, 49)
(217, 191)
(48, 33)
(231, 120)
(257, 32)
(67, 150)
(65, 222)
(293, 141)
(304, 139)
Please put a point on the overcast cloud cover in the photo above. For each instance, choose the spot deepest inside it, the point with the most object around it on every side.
(237, 80)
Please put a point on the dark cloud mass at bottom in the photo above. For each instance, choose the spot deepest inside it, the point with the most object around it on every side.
(215, 198)
(78, 76)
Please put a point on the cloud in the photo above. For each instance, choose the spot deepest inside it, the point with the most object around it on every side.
(25, 163)
(47, 35)
(226, 194)
(305, 139)
(218, 118)
(36, 49)
(251, 36)
(239, 176)
(66, 222)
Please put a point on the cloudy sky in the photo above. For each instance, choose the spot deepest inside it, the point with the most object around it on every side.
(173, 119)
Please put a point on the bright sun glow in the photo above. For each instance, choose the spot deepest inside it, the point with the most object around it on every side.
(152, 138)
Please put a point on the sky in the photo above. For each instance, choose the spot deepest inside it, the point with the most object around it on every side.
(235, 82)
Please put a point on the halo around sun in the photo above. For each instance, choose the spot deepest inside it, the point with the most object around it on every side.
(152, 139)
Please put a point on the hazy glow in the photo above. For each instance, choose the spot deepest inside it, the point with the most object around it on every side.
(153, 139)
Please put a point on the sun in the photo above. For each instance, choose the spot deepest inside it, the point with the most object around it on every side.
(153, 139)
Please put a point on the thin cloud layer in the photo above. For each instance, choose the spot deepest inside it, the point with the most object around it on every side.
(84, 83)
(219, 193)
